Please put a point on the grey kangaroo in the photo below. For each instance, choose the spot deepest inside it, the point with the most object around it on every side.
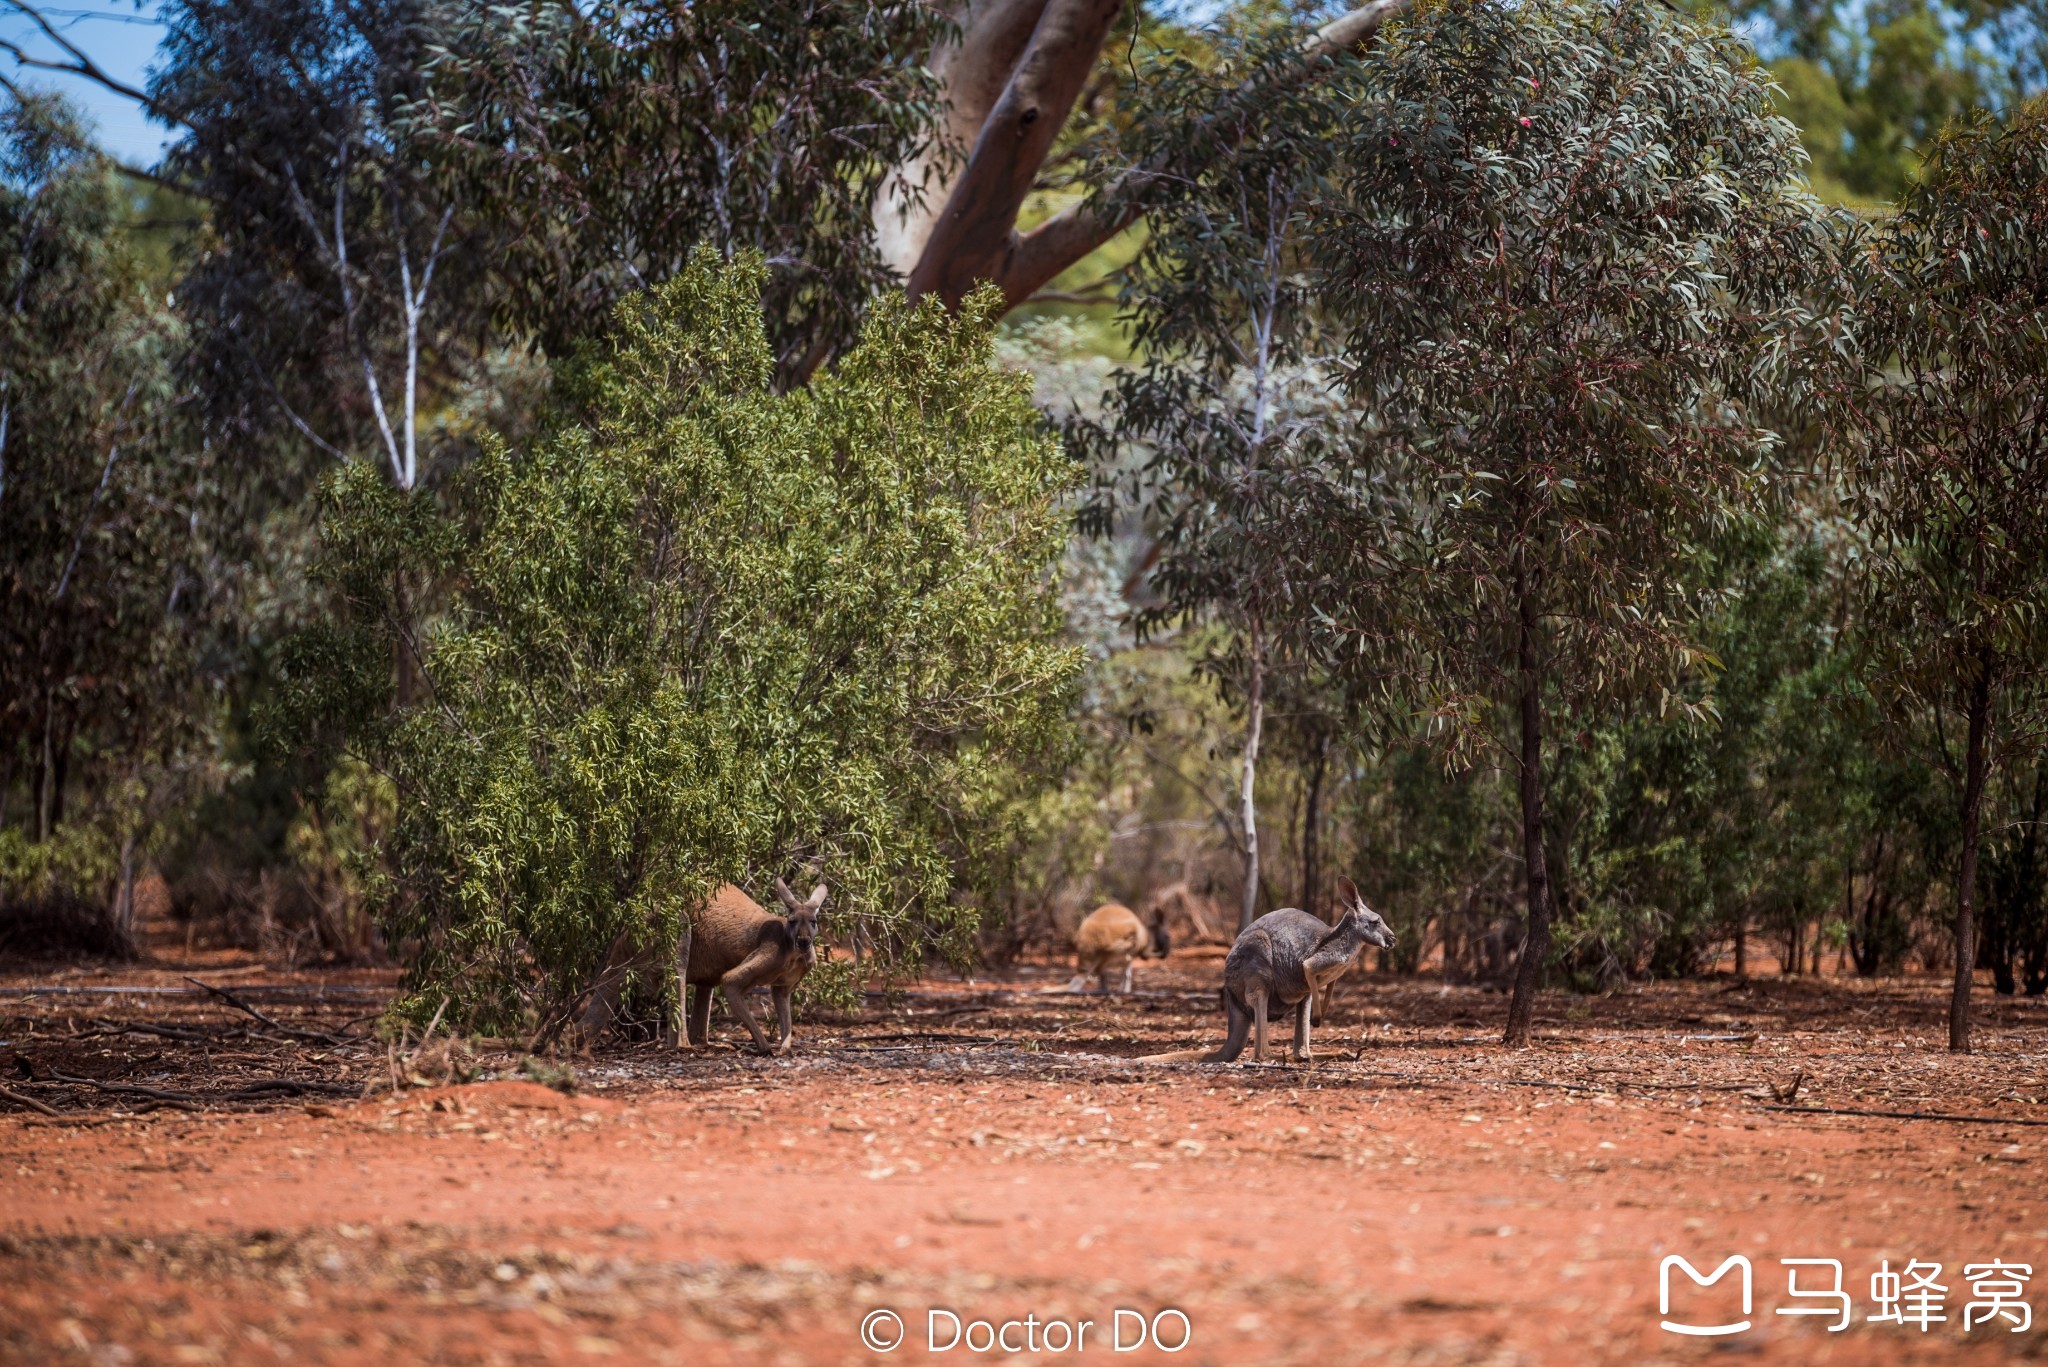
(1284, 958)
(734, 946)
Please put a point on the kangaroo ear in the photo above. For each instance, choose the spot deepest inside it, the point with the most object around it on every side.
(788, 898)
(1348, 891)
(817, 898)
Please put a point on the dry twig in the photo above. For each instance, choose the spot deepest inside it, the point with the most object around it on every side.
(1910, 1115)
(318, 1036)
(9, 1094)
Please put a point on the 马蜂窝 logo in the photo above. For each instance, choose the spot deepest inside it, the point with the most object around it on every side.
(1702, 1330)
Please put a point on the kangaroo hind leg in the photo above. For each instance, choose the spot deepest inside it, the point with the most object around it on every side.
(736, 1002)
(737, 984)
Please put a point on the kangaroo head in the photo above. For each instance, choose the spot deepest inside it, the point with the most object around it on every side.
(1362, 919)
(803, 919)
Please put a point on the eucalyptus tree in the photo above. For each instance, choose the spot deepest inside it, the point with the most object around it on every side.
(107, 508)
(1221, 303)
(603, 142)
(398, 186)
(1948, 472)
(892, 144)
(1567, 253)
(1871, 82)
(334, 293)
(850, 141)
(1013, 74)
(2015, 934)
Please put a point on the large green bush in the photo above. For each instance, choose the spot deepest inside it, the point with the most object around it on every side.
(703, 631)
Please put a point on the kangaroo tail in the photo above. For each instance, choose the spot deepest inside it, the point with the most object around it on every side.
(1240, 1026)
(1240, 1021)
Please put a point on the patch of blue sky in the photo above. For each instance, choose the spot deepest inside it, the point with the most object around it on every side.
(121, 37)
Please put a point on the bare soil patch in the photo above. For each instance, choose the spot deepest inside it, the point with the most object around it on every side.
(1417, 1196)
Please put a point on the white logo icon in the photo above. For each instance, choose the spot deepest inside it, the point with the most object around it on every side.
(1702, 1330)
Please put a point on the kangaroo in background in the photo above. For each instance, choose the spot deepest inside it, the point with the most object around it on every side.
(1285, 957)
(734, 945)
(1110, 939)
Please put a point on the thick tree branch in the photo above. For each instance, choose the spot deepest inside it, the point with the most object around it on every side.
(1347, 31)
(973, 69)
(1038, 256)
(976, 232)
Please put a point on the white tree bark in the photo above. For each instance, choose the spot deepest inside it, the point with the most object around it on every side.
(415, 305)
(1248, 803)
(403, 456)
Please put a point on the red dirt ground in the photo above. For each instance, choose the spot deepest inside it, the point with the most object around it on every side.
(1418, 1196)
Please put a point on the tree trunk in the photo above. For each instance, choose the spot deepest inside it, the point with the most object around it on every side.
(124, 896)
(2011, 924)
(1536, 938)
(1255, 699)
(1876, 911)
(1863, 947)
(973, 69)
(1848, 920)
(46, 770)
(1976, 766)
(1742, 943)
(2031, 915)
(1995, 951)
(1311, 820)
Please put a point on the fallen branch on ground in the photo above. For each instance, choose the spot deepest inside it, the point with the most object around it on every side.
(1621, 1087)
(188, 1100)
(9, 1094)
(318, 1036)
(287, 1087)
(252, 1091)
(165, 1032)
(1910, 1115)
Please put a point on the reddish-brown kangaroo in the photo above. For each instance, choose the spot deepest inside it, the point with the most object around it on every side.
(732, 944)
